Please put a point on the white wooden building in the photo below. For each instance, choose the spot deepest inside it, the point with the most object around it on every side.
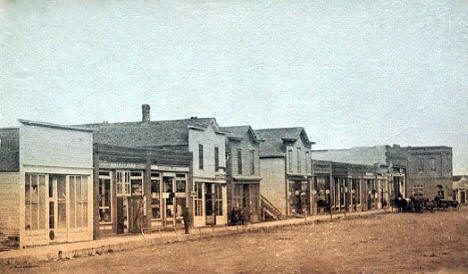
(46, 176)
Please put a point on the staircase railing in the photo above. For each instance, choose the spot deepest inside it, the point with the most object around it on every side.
(269, 208)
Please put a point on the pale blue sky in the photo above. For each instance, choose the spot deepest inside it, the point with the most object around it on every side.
(353, 73)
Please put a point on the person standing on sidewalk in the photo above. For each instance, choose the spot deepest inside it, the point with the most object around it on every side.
(186, 216)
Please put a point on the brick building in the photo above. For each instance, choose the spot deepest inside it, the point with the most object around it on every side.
(418, 171)
(430, 171)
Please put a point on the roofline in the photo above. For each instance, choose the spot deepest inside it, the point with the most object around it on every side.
(50, 125)
(275, 128)
(8, 128)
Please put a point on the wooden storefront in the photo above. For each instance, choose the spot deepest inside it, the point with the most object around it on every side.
(140, 189)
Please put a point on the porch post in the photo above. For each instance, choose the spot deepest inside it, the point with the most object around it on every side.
(96, 196)
(147, 194)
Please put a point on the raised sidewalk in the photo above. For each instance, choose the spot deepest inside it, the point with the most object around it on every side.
(127, 242)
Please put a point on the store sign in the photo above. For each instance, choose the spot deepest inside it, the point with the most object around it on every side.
(112, 165)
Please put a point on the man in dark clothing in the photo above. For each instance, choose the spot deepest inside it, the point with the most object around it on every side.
(186, 216)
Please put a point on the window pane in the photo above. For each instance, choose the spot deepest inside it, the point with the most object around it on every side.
(62, 215)
(51, 215)
(155, 187)
(72, 201)
(84, 200)
(27, 202)
(42, 205)
(62, 209)
(239, 161)
(34, 202)
(84, 223)
(79, 204)
(180, 185)
(200, 156)
(156, 208)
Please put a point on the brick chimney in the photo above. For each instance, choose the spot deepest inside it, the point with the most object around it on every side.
(145, 110)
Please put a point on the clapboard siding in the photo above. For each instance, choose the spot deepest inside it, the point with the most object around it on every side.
(45, 146)
(9, 202)
(209, 139)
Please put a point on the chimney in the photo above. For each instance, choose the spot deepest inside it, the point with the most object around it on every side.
(145, 110)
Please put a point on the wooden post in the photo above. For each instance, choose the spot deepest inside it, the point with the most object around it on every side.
(147, 194)
(331, 193)
(96, 194)
(114, 201)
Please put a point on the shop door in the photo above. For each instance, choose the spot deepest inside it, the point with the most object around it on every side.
(58, 227)
(122, 215)
(462, 197)
(168, 200)
(209, 204)
(246, 202)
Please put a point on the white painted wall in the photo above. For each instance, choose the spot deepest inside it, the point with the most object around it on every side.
(209, 139)
(45, 146)
(304, 161)
(273, 181)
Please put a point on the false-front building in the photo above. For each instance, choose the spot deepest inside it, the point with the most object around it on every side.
(243, 172)
(345, 187)
(388, 161)
(46, 177)
(460, 188)
(139, 189)
(285, 168)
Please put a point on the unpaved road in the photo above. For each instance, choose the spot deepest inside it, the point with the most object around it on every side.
(387, 243)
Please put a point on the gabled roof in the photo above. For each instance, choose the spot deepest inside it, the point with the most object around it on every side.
(149, 133)
(238, 132)
(274, 139)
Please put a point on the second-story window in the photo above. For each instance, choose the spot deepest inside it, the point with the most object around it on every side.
(200, 156)
(421, 165)
(307, 162)
(239, 161)
(433, 165)
(290, 161)
(299, 160)
(216, 158)
(252, 162)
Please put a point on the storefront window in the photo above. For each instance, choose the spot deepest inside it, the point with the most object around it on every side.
(136, 181)
(62, 202)
(123, 183)
(181, 183)
(254, 190)
(78, 187)
(155, 196)
(35, 194)
(198, 199)
(105, 199)
(219, 199)
(237, 197)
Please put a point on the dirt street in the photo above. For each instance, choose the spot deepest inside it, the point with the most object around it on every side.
(402, 242)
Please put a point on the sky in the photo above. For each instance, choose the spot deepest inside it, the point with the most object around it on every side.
(352, 73)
